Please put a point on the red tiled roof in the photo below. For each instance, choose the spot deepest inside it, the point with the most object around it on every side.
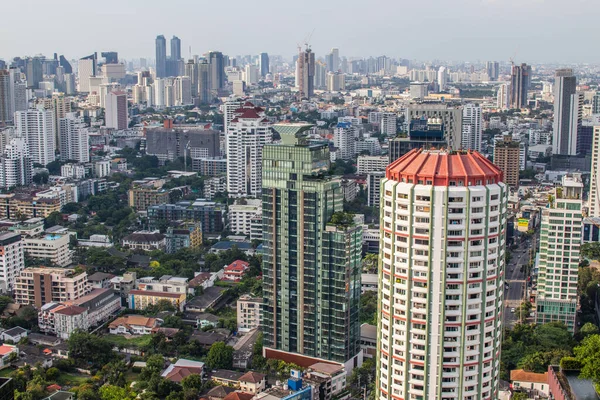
(440, 167)
(6, 349)
(237, 265)
(248, 113)
(238, 396)
(520, 375)
(252, 377)
(178, 373)
(71, 310)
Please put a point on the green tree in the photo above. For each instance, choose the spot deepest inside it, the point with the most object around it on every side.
(519, 396)
(591, 250)
(368, 308)
(88, 349)
(54, 218)
(588, 354)
(192, 382)
(113, 373)
(88, 392)
(587, 329)
(112, 392)
(220, 356)
(41, 178)
(51, 373)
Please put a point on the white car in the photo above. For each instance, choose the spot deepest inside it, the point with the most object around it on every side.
(512, 310)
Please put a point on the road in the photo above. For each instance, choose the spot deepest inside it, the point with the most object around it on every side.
(514, 294)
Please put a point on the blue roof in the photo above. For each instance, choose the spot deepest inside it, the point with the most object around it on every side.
(226, 245)
(344, 125)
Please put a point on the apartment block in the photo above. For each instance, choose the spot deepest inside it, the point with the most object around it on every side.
(144, 194)
(506, 157)
(141, 299)
(38, 286)
(368, 164)
(240, 215)
(51, 247)
(248, 313)
(12, 260)
(18, 206)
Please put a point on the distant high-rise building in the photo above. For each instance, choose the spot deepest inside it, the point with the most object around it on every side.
(472, 127)
(217, 70)
(61, 106)
(183, 91)
(596, 103)
(16, 166)
(506, 157)
(6, 96)
(503, 96)
(560, 241)
(70, 87)
(86, 68)
(493, 69)
(161, 57)
(320, 75)
(63, 62)
(263, 64)
(204, 82)
(305, 74)
(191, 70)
(111, 57)
(388, 124)
(335, 82)
(34, 72)
(519, 85)
(247, 133)
(442, 78)
(333, 60)
(116, 112)
(175, 48)
(441, 277)
(74, 139)
(37, 126)
(311, 261)
(594, 197)
(345, 136)
(450, 117)
(251, 74)
(567, 113)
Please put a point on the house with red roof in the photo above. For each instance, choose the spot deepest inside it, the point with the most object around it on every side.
(5, 351)
(235, 271)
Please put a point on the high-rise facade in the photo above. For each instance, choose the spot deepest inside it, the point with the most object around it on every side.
(74, 139)
(594, 199)
(450, 117)
(175, 48)
(6, 113)
(506, 157)
(217, 70)
(503, 96)
(116, 110)
(335, 82)
(472, 127)
(86, 68)
(388, 124)
(560, 241)
(247, 133)
(305, 74)
(567, 113)
(311, 262)
(493, 70)
(443, 223)
(442, 78)
(12, 260)
(37, 126)
(263, 64)
(333, 60)
(204, 83)
(16, 167)
(519, 85)
(161, 56)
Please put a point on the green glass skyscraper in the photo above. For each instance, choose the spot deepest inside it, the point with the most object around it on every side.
(311, 266)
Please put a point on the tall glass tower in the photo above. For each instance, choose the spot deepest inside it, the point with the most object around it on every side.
(161, 56)
(311, 266)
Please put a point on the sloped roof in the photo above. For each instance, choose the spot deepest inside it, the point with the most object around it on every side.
(133, 320)
(520, 375)
(238, 396)
(252, 377)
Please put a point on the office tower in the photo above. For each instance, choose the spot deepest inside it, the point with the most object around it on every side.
(263, 64)
(493, 70)
(86, 69)
(305, 74)
(37, 127)
(204, 82)
(63, 62)
(450, 117)
(321, 75)
(60, 108)
(175, 48)
(16, 167)
(311, 261)
(503, 96)
(596, 103)
(560, 241)
(110, 57)
(567, 113)
(74, 139)
(333, 60)
(506, 156)
(471, 127)
(442, 78)
(419, 90)
(6, 113)
(183, 91)
(34, 72)
(519, 85)
(161, 56)
(345, 136)
(12, 260)
(70, 84)
(251, 74)
(335, 82)
(388, 124)
(116, 111)
(247, 133)
(443, 223)
(217, 70)
(594, 199)
(191, 70)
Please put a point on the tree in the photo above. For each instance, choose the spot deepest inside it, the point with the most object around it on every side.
(41, 178)
(87, 349)
(588, 329)
(54, 218)
(591, 250)
(154, 366)
(368, 308)
(112, 392)
(87, 392)
(113, 373)
(51, 373)
(54, 167)
(192, 382)
(5, 301)
(588, 354)
(220, 356)
(519, 396)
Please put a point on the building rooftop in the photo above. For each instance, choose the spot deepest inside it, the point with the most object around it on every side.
(524, 376)
(368, 331)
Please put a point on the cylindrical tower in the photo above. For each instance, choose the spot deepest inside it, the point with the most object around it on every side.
(441, 277)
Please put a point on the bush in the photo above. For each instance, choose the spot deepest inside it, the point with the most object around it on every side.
(570, 364)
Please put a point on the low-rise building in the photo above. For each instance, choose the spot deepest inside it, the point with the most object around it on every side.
(240, 215)
(61, 320)
(134, 325)
(252, 382)
(52, 247)
(182, 368)
(17, 206)
(530, 382)
(368, 282)
(13, 334)
(38, 286)
(145, 240)
(166, 283)
(235, 271)
(248, 313)
(146, 193)
(5, 352)
(141, 299)
(368, 340)
(226, 377)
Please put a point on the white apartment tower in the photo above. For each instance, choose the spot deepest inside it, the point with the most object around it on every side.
(16, 167)
(12, 260)
(116, 112)
(345, 136)
(442, 78)
(247, 133)
(443, 222)
(37, 127)
(471, 127)
(594, 200)
(74, 139)
(502, 96)
(560, 241)
(388, 124)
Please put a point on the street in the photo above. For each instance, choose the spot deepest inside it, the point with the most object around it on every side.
(513, 296)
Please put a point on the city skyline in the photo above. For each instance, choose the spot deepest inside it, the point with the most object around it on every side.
(548, 37)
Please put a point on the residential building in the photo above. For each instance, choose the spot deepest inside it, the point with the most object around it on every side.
(503, 96)
(235, 271)
(472, 127)
(51, 247)
(594, 199)
(248, 313)
(16, 165)
(208, 213)
(186, 235)
(145, 194)
(74, 171)
(368, 340)
(445, 114)
(167, 283)
(116, 112)
(133, 325)
(335, 82)
(252, 382)
(506, 154)
(368, 164)
(38, 286)
(560, 241)
(567, 113)
(305, 73)
(86, 68)
(145, 240)
(191, 142)
(310, 291)
(247, 133)
(6, 350)
(442, 213)
(241, 214)
(12, 260)
(387, 126)
(62, 320)
(345, 136)
(374, 188)
(101, 305)
(519, 85)
(210, 167)
(18, 206)
(530, 382)
(13, 334)
(442, 78)
(73, 138)
(37, 127)
(141, 299)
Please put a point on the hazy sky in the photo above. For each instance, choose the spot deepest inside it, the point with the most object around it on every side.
(535, 30)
